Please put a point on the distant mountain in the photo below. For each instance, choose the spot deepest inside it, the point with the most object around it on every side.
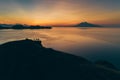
(20, 26)
(6, 25)
(86, 24)
(3, 26)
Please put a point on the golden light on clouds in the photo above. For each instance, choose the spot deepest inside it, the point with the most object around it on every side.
(63, 12)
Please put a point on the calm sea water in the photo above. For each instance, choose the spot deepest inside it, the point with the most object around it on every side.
(91, 43)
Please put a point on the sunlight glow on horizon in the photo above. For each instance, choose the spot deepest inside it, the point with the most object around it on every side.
(64, 12)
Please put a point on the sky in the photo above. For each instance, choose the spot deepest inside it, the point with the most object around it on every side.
(59, 12)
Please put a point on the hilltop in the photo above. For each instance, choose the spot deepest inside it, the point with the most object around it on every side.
(86, 24)
(30, 60)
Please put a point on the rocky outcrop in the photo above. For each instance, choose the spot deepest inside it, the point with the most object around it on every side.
(30, 60)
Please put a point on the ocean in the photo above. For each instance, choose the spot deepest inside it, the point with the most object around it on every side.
(91, 43)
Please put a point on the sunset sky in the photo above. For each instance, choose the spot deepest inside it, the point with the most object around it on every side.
(59, 12)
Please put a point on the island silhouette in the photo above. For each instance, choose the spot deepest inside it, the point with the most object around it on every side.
(30, 60)
(87, 24)
(20, 26)
(23, 26)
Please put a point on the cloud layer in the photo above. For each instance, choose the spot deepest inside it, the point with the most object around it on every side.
(49, 12)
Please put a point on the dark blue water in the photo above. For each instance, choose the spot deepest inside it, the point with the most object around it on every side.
(91, 43)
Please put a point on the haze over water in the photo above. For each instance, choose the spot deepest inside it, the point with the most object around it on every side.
(92, 43)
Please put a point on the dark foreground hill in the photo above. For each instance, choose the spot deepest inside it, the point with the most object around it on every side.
(29, 60)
